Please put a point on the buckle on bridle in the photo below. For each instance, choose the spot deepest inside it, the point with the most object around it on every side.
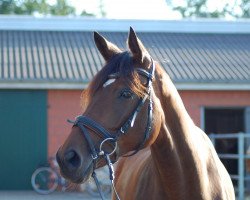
(121, 130)
(94, 157)
(126, 126)
(105, 140)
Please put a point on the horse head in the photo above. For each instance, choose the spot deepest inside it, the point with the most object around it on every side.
(120, 114)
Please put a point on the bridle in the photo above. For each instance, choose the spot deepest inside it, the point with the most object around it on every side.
(84, 122)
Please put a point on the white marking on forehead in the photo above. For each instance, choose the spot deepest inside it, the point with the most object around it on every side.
(109, 81)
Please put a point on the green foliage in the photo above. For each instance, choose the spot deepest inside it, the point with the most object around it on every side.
(245, 7)
(7, 6)
(199, 9)
(85, 13)
(101, 8)
(62, 8)
(29, 7)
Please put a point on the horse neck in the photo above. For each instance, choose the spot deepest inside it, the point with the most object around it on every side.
(172, 151)
(176, 120)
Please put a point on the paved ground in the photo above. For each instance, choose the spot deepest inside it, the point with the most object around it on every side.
(31, 195)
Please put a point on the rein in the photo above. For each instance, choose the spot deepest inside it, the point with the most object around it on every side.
(84, 122)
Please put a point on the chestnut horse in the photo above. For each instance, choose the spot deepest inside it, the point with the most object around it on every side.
(162, 153)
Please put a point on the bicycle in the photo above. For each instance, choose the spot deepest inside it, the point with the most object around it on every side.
(46, 179)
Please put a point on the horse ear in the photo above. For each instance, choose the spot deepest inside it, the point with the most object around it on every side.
(106, 48)
(135, 45)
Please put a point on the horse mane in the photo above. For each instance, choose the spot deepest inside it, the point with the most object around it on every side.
(121, 64)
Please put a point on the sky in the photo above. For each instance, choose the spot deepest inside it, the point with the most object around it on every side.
(138, 9)
(127, 9)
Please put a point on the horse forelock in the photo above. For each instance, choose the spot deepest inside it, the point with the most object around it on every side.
(121, 65)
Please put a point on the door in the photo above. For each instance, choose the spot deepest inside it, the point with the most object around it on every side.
(23, 136)
(226, 120)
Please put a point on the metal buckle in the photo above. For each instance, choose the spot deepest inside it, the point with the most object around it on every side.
(94, 157)
(121, 130)
(105, 140)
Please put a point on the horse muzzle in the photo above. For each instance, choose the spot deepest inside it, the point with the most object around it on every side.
(72, 166)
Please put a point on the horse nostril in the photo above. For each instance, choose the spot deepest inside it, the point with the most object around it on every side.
(72, 159)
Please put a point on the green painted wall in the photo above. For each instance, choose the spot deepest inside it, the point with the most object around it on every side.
(23, 136)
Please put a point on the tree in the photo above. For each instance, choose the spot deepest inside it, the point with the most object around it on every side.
(43, 7)
(6, 6)
(62, 8)
(199, 8)
(85, 13)
(21, 7)
(30, 7)
(245, 7)
(101, 8)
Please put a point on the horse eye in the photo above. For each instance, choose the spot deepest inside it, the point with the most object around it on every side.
(127, 94)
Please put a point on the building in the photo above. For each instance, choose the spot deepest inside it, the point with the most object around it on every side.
(47, 62)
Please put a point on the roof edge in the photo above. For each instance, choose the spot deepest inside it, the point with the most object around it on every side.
(80, 86)
(43, 85)
(213, 86)
(122, 25)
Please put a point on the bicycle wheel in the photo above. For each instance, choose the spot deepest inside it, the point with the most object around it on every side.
(44, 180)
(103, 178)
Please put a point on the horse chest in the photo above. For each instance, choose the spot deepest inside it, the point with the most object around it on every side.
(138, 181)
(144, 188)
